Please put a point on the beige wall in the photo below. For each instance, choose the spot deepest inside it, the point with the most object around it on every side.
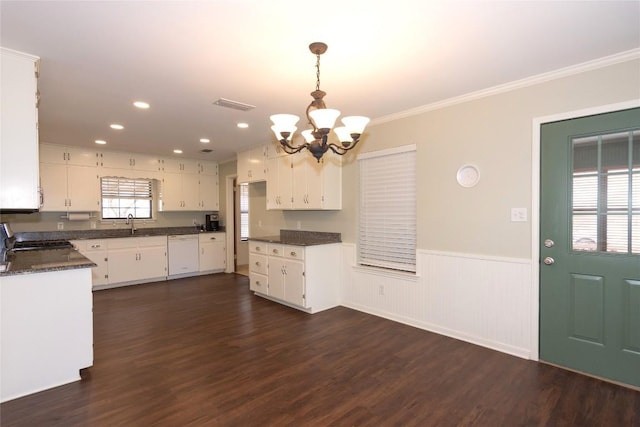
(492, 132)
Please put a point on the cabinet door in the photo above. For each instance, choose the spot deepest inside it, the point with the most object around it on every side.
(19, 164)
(190, 191)
(53, 182)
(115, 160)
(122, 265)
(294, 282)
(83, 189)
(208, 192)
(100, 272)
(208, 168)
(244, 166)
(141, 162)
(82, 157)
(313, 180)
(272, 183)
(212, 251)
(171, 192)
(51, 153)
(276, 277)
(152, 262)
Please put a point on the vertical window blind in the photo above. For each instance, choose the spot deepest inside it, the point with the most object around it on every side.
(124, 196)
(387, 229)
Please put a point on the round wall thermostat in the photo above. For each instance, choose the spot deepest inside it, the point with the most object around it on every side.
(468, 175)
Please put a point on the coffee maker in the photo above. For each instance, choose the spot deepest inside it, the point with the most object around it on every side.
(212, 223)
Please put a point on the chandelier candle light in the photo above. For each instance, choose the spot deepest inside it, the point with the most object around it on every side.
(322, 120)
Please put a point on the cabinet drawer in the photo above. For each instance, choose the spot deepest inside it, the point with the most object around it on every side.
(275, 249)
(294, 252)
(257, 247)
(258, 283)
(258, 263)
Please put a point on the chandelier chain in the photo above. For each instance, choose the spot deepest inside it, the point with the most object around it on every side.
(317, 71)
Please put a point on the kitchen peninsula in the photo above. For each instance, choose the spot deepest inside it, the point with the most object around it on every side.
(300, 269)
(47, 320)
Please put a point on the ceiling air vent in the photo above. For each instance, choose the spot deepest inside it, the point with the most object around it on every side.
(206, 150)
(222, 102)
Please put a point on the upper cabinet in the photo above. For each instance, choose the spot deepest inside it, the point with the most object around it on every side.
(252, 165)
(69, 179)
(299, 182)
(189, 185)
(129, 165)
(19, 172)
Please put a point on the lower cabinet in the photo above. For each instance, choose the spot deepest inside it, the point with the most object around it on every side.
(212, 252)
(303, 277)
(137, 259)
(96, 251)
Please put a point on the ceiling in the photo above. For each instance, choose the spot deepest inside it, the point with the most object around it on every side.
(97, 57)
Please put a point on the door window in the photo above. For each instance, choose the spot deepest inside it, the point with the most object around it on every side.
(606, 192)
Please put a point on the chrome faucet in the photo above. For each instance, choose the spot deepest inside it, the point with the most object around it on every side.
(130, 218)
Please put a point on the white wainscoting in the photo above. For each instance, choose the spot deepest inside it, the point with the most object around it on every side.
(478, 299)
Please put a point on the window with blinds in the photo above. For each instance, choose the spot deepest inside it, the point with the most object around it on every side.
(606, 193)
(387, 229)
(244, 211)
(122, 197)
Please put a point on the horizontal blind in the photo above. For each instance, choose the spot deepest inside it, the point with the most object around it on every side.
(387, 229)
(244, 211)
(126, 188)
(122, 197)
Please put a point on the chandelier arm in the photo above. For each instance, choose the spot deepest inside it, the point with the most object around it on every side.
(341, 150)
(290, 149)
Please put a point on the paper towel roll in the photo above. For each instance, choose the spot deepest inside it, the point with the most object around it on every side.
(78, 216)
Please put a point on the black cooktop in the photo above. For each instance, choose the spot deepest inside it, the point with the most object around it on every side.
(41, 244)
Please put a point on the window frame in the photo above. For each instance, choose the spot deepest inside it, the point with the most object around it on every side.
(136, 189)
(390, 245)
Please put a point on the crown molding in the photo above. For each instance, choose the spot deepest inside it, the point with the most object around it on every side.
(606, 61)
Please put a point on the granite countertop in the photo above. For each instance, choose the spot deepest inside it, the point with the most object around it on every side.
(301, 238)
(39, 261)
(108, 233)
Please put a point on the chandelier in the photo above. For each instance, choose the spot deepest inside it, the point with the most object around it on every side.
(321, 119)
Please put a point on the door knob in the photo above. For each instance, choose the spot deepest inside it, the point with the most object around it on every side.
(548, 260)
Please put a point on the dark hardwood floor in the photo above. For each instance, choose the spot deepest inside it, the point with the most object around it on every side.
(205, 352)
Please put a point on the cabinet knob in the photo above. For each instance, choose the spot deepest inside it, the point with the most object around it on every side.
(275, 251)
(293, 254)
(258, 263)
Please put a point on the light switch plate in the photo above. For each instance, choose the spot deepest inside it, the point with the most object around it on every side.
(518, 214)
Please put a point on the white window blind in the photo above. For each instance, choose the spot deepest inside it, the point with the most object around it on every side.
(244, 211)
(124, 196)
(387, 235)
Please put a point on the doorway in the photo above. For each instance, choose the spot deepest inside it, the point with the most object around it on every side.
(589, 245)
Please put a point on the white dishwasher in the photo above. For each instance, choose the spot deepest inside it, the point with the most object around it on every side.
(183, 254)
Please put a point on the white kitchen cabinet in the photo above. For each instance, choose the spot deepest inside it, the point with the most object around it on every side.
(303, 277)
(180, 192)
(252, 165)
(300, 182)
(129, 165)
(96, 251)
(69, 188)
(19, 164)
(172, 165)
(208, 186)
(69, 179)
(212, 252)
(279, 183)
(137, 259)
(258, 267)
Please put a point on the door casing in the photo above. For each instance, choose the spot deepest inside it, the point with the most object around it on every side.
(535, 204)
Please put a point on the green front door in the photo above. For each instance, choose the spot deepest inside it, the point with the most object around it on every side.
(590, 245)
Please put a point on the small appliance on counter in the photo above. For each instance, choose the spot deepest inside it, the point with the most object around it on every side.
(212, 223)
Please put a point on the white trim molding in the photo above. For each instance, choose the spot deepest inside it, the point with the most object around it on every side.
(480, 299)
(518, 84)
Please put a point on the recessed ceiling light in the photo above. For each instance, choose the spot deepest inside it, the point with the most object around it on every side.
(177, 151)
(116, 126)
(243, 125)
(141, 104)
(100, 141)
(205, 140)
